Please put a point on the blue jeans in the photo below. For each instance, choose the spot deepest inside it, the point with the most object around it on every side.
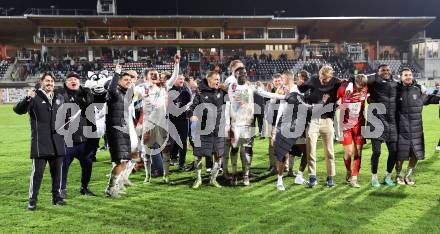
(84, 152)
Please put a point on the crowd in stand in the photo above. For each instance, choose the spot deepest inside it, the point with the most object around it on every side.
(4, 65)
(259, 67)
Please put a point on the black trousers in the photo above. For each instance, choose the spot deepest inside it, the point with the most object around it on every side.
(259, 118)
(38, 166)
(208, 160)
(182, 130)
(105, 141)
(84, 152)
(392, 155)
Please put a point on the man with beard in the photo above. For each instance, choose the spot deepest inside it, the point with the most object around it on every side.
(411, 143)
(118, 100)
(135, 126)
(47, 146)
(155, 118)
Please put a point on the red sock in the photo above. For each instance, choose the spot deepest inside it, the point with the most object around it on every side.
(348, 164)
(356, 165)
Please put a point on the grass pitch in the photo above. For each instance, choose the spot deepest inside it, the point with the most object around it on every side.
(259, 208)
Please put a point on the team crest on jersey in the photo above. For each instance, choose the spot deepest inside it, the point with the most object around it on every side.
(206, 97)
(57, 101)
(218, 95)
(415, 96)
(234, 87)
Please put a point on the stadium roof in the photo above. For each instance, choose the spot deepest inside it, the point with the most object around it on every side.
(22, 28)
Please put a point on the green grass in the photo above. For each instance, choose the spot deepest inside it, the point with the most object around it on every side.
(160, 208)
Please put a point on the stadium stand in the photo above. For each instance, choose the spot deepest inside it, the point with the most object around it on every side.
(268, 68)
(4, 65)
(393, 64)
(397, 65)
(261, 68)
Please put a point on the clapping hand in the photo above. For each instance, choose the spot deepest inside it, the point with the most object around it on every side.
(259, 84)
(194, 118)
(31, 93)
(118, 68)
(325, 98)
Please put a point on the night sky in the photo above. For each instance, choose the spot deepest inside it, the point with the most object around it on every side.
(293, 8)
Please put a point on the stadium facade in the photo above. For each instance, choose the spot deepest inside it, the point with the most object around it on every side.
(88, 36)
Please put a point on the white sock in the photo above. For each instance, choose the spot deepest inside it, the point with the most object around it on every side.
(354, 177)
(374, 177)
(300, 173)
(280, 179)
(199, 174)
(388, 175)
